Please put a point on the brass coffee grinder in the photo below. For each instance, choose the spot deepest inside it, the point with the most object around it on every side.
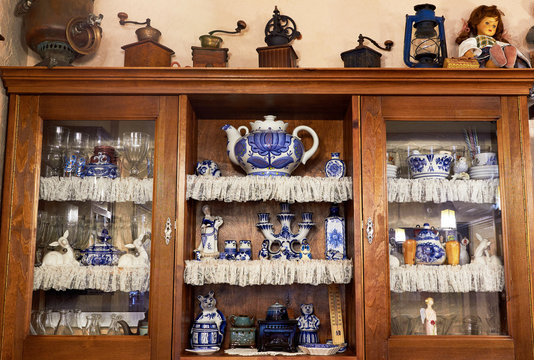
(210, 53)
(60, 31)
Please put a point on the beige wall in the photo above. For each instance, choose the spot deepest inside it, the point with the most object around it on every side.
(329, 27)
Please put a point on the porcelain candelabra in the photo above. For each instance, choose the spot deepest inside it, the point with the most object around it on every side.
(284, 245)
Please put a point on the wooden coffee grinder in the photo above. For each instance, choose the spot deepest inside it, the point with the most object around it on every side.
(210, 53)
(147, 51)
(279, 32)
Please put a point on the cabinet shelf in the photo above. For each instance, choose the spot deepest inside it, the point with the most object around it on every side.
(256, 188)
(96, 189)
(103, 278)
(267, 272)
(443, 190)
(447, 278)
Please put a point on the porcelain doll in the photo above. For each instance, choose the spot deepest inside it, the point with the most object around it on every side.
(482, 38)
(209, 230)
(429, 318)
(308, 325)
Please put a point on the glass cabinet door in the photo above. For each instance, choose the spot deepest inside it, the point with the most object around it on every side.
(94, 229)
(443, 209)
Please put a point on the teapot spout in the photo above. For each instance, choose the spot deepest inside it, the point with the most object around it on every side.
(233, 136)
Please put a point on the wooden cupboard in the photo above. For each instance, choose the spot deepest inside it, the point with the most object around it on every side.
(354, 112)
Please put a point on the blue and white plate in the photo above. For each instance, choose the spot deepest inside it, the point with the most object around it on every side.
(208, 350)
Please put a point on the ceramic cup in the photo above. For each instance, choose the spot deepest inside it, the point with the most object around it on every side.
(245, 245)
(485, 158)
(230, 247)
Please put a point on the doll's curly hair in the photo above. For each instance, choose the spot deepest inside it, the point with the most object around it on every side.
(476, 17)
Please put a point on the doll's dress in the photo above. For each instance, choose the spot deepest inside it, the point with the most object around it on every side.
(481, 45)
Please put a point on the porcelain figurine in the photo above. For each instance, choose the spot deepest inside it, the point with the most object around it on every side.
(209, 231)
(429, 318)
(464, 254)
(208, 328)
(284, 245)
(207, 168)
(63, 257)
(305, 250)
(140, 259)
(429, 250)
(268, 150)
(335, 167)
(334, 227)
(460, 165)
(264, 252)
(102, 252)
(308, 325)
(481, 255)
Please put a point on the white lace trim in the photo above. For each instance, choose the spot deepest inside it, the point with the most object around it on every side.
(96, 189)
(258, 188)
(442, 190)
(103, 278)
(447, 278)
(255, 352)
(267, 272)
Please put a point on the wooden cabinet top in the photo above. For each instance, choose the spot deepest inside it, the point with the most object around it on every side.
(366, 81)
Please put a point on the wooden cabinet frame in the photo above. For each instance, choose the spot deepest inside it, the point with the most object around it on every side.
(360, 96)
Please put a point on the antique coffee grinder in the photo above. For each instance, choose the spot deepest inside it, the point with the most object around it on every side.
(147, 51)
(210, 53)
(60, 31)
(363, 56)
(279, 32)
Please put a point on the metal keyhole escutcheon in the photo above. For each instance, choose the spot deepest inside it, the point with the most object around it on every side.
(370, 230)
(168, 231)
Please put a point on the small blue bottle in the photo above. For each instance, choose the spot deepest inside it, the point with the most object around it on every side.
(334, 225)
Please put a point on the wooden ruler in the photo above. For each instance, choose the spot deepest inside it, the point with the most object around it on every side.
(336, 315)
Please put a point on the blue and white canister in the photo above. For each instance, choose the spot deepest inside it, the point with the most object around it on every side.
(334, 225)
(230, 249)
(245, 249)
(335, 167)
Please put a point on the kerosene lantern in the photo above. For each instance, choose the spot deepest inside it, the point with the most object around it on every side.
(147, 51)
(279, 32)
(210, 53)
(426, 45)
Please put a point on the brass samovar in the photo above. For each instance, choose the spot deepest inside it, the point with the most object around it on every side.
(60, 30)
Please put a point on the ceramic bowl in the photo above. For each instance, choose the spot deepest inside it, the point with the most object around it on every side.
(319, 349)
(435, 165)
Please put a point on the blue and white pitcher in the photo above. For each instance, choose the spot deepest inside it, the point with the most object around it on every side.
(429, 250)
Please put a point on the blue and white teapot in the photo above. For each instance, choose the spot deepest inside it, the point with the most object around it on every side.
(429, 250)
(268, 150)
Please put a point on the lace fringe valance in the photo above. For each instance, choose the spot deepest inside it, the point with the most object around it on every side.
(257, 188)
(255, 352)
(103, 278)
(96, 189)
(267, 272)
(447, 278)
(442, 190)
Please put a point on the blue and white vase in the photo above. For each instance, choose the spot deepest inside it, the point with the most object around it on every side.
(429, 250)
(268, 150)
(335, 167)
(334, 225)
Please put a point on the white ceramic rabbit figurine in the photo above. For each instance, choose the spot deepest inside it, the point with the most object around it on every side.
(56, 258)
(129, 260)
(481, 252)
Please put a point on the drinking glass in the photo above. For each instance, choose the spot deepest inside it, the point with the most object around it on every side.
(63, 326)
(135, 145)
(114, 327)
(55, 145)
(77, 154)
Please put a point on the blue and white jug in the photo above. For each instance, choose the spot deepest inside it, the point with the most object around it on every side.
(268, 150)
(429, 250)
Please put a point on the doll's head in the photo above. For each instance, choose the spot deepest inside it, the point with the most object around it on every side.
(481, 19)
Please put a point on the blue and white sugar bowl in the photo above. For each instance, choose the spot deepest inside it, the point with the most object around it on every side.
(207, 168)
(429, 250)
(335, 167)
(430, 166)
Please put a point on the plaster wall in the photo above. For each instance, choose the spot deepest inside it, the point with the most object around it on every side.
(328, 27)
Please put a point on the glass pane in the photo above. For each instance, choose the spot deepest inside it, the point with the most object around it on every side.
(92, 259)
(445, 229)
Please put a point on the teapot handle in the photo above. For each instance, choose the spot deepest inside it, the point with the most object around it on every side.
(315, 144)
(242, 127)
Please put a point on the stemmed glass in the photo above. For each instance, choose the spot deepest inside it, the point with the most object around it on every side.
(135, 149)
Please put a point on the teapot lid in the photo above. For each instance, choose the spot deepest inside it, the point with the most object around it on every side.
(426, 232)
(277, 305)
(269, 124)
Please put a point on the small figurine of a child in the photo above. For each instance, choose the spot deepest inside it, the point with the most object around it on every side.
(308, 325)
(482, 39)
(429, 318)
